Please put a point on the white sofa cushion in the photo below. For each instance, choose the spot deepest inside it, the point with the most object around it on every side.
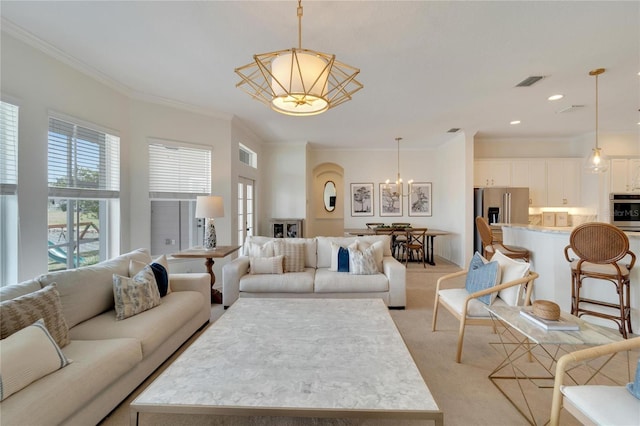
(511, 269)
(309, 245)
(336, 282)
(605, 405)
(88, 291)
(151, 328)
(12, 291)
(291, 282)
(455, 297)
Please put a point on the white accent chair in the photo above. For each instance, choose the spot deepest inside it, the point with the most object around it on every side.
(469, 311)
(595, 404)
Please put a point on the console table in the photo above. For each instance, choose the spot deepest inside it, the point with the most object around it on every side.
(208, 254)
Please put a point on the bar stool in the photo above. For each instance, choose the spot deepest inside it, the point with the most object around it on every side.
(600, 247)
(489, 245)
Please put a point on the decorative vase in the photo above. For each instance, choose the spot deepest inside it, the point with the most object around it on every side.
(210, 240)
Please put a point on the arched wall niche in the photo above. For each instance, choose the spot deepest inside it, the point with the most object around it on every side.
(327, 223)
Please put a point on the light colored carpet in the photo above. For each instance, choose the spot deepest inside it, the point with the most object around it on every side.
(463, 391)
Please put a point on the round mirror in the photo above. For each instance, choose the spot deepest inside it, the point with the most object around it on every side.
(329, 196)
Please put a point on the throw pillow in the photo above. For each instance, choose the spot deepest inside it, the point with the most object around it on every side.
(335, 248)
(634, 387)
(135, 295)
(260, 250)
(482, 275)
(21, 312)
(162, 260)
(160, 273)
(293, 255)
(28, 355)
(266, 265)
(362, 262)
(512, 269)
(343, 259)
(378, 251)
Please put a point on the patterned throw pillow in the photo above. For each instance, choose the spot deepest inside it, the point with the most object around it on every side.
(135, 295)
(378, 250)
(293, 255)
(266, 265)
(362, 262)
(160, 273)
(28, 355)
(21, 312)
(482, 275)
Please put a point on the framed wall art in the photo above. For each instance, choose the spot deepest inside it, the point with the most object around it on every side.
(362, 199)
(420, 200)
(390, 200)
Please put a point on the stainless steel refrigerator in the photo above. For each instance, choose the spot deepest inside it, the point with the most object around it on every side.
(499, 205)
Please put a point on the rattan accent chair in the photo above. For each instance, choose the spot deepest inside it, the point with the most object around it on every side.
(600, 249)
(490, 245)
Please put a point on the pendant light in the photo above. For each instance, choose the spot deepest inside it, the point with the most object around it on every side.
(597, 162)
(398, 191)
(298, 81)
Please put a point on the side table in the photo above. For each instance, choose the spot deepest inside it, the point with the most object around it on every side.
(208, 254)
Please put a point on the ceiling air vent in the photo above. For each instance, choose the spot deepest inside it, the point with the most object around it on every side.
(530, 81)
(453, 130)
(569, 108)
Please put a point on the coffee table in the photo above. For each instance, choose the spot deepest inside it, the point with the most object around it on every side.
(341, 358)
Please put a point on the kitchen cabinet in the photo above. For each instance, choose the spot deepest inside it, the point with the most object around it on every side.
(563, 182)
(533, 175)
(491, 173)
(624, 174)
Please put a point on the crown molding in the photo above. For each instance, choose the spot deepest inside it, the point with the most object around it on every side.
(48, 49)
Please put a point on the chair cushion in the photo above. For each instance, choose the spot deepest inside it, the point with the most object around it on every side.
(482, 275)
(455, 297)
(604, 405)
(597, 268)
(512, 269)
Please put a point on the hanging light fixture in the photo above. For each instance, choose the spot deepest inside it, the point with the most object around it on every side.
(398, 191)
(597, 161)
(299, 81)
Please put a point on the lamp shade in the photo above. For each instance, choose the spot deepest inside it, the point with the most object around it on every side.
(209, 206)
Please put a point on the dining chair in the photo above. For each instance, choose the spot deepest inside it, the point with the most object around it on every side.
(415, 243)
(600, 249)
(373, 225)
(490, 244)
(596, 404)
(515, 289)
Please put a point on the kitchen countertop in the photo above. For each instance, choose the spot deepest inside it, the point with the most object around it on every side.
(554, 229)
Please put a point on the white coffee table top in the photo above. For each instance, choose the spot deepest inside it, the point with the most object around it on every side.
(295, 355)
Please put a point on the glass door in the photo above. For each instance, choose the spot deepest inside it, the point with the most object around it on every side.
(246, 208)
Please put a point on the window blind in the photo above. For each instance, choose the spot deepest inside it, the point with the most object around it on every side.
(82, 162)
(178, 172)
(8, 149)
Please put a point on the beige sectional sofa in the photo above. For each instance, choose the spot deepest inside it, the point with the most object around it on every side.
(317, 280)
(110, 358)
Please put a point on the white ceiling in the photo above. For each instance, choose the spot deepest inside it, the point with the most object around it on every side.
(426, 66)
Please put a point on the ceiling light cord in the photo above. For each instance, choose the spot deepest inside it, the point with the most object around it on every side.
(299, 24)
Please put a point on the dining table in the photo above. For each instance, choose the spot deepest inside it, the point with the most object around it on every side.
(430, 236)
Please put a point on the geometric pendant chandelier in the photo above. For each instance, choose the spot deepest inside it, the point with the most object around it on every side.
(298, 81)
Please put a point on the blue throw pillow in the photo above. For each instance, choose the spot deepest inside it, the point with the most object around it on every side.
(162, 278)
(481, 276)
(343, 260)
(634, 387)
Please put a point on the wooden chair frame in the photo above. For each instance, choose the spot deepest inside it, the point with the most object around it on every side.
(486, 235)
(464, 319)
(415, 241)
(562, 366)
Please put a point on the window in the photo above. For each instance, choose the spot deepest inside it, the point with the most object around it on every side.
(178, 173)
(8, 193)
(84, 188)
(246, 216)
(248, 157)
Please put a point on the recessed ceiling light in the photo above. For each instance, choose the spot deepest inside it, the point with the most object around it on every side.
(515, 122)
(555, 97)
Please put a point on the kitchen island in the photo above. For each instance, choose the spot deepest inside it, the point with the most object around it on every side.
(546, 245)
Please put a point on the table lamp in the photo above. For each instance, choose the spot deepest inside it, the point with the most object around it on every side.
(209, 207)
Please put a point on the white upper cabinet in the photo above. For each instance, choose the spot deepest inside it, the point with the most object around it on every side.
(563, 182)
(624, 172)
(533, 175)
(492, 173)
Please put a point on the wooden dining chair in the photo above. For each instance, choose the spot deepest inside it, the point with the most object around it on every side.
(415, 243)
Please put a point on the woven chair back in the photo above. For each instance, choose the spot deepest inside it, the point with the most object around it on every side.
(486, 235)
(597, 242)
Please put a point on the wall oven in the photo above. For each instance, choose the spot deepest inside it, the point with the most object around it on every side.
(625, 211)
